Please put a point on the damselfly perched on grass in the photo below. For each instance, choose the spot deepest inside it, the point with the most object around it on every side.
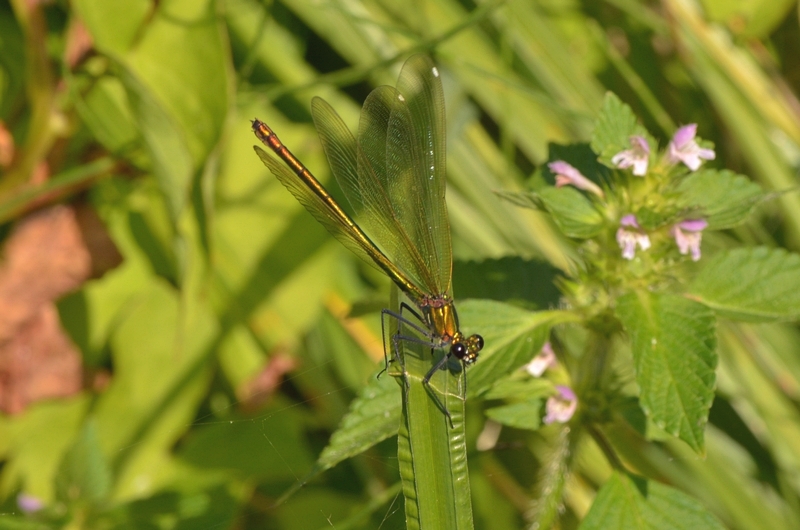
(393, 175)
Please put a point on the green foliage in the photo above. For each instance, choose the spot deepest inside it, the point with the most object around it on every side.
(630, 502)
(759, 284)
(227, 380)
(673, 343)
(723, 198)
(614, 128)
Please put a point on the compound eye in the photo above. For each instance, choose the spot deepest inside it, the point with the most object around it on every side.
(477, 340)
(459, 349)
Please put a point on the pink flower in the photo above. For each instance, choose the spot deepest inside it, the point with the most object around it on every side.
(566, 174)
(684, 148)
(545, 359)
(637, 156)
(29, 503)
(629, 235)
(688, 235)
(562, 406)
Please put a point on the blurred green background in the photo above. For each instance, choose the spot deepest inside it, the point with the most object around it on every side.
(181, 338)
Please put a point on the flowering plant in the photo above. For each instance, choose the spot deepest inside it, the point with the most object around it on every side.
(650, 278)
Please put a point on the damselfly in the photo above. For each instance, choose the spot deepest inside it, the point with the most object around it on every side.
(393, 176)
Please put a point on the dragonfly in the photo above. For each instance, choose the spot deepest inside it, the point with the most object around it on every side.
(393, 177)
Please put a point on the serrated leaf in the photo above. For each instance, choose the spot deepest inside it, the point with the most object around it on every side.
(631, 503)
(722, 198)
(373, 417)
(524, 415)
(673, 342)
(752, 284)
(512, 336)
(572, 212)
(615, 125)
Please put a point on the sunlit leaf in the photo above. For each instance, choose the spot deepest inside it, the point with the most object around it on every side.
(673, 341)
(626, 502)
(752, 284)
(613, 129)
(722, 198)
(373, 416)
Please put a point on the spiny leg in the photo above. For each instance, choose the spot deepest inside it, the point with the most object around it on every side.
(397, 336)
(427, 382)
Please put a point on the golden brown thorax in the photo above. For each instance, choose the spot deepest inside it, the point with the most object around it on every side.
(442, 321)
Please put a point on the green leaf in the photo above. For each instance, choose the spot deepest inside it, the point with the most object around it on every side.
(525, 199)
(171, 162)
(627, 502)
(183, 62)
(524, 415)
(104, 108)
(113, 24)
(673, 341)
(148, 407)
(373, 416)
(33, 444)
(331, 341)
(722, 198)
(572, 212)
(525, 395)
(431, 447)
(752, 284)
(84, 473)
(512, 336)
(615, 125)
(513, 387)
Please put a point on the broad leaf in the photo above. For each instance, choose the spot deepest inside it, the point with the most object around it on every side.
(513, 387)
(512, 336)
(626, 502)
(373, 416)
(84, 473)
(524, 415)
(525, 199)
(722, 198)
(673, 341)
(615, 125)
(572, 212)
(751, 284)
(171, 161)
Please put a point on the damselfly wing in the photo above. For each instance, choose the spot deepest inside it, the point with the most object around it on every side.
(393, 176)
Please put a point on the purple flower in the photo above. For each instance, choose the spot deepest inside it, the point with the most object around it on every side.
(561, 407)
(545, 359)
(637, 156)
(29, 503)
(566, 174)
(629, 235)
(684, 148)
(688, 235)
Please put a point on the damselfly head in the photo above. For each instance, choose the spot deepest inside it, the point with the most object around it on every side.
(466, 349)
